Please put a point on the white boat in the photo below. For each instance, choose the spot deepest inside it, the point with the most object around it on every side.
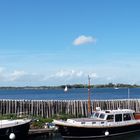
(102, 123)
(65, 89)
(14, 129)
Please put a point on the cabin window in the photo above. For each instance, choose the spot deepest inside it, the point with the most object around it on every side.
(118, 117)
(126, 117)
(110, 118)
(82, 122)
(102, 116)
(96, 115)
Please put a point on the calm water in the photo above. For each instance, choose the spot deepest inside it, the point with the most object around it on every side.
(132, 136)
(72, 94)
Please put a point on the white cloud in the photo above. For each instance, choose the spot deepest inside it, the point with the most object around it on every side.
(81, 40)
(65, 76)
(21, 77)
(2, 75)
(67, 73)
(1, 69)
(73, 74)
(93, 75)
(17, 74)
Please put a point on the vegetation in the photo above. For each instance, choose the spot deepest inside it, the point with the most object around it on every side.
(109, 85)
(39, 122)
(8, 116)
(119, 85)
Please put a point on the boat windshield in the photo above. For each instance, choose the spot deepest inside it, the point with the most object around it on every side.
(92, 115)
(98, 115)
(102, 116)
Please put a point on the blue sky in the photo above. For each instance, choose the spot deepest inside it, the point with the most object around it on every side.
(51, 42)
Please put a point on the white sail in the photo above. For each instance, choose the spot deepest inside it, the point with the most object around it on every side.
(66, 89)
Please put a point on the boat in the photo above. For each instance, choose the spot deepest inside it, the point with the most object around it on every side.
(14, 129)
(101, 123)
(65, 89)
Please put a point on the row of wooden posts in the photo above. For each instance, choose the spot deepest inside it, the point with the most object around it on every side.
(49, 108)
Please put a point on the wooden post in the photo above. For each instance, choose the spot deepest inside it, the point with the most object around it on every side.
(89, 101)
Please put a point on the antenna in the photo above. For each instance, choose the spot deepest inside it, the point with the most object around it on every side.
(89, 101)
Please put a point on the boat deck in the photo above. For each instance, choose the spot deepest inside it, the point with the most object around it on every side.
(11, 123)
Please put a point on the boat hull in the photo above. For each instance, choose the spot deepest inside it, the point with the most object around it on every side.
(20, 131)
(95, 132)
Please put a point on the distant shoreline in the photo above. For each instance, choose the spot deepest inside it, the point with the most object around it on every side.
(110, 85)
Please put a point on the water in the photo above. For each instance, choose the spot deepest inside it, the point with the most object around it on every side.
(46, 137)
(72, 94)
(131, 136)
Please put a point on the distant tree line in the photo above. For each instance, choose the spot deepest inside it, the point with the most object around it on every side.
(109, 85)
(119, 85)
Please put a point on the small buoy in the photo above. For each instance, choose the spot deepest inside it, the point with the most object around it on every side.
(106, 133)
(12, 136)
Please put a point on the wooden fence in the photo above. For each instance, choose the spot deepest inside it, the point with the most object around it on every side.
(48, 108)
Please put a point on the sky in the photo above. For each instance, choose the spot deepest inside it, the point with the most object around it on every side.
(60, 42)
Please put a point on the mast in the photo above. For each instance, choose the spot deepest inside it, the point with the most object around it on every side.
(89, 101)
(128, 92)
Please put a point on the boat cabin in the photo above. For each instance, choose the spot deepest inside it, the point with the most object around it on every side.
(114, 115)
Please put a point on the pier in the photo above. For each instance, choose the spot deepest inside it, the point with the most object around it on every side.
(49, 108)
(45, 131)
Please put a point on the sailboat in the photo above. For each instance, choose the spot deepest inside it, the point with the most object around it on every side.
(115, 86)
(65, 89)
